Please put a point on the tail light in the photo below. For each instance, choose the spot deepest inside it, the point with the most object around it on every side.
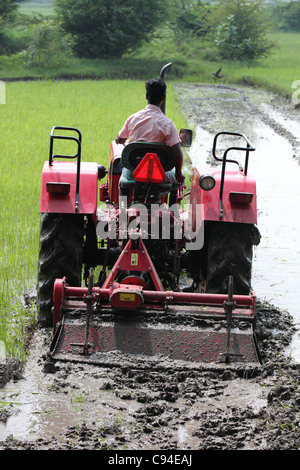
(240, 198)
(58, 188)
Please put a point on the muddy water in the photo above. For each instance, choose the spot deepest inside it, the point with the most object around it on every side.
(273, 127)
(127, 408)
(45, 404)
(82, 407)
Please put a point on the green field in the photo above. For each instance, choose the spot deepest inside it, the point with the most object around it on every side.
(41, 7)
(278, 71)
(98, 109)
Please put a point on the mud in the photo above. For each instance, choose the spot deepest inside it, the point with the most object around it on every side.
(66, 406)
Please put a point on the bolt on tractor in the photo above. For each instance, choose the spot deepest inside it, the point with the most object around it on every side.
(153, 275)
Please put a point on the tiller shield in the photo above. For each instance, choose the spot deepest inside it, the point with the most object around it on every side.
(93, 324)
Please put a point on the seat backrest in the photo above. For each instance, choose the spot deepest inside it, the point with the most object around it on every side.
(134, 152)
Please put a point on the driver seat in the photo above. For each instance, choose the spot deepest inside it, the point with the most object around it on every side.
(132, 155)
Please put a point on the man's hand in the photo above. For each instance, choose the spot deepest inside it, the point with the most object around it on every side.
(179, 177)
(120, 140)
(178, 159)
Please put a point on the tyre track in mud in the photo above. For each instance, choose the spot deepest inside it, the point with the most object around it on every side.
(75, 406)
(213, 107)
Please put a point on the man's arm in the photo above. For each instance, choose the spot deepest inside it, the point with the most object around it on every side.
(123, 134)
(178, 160)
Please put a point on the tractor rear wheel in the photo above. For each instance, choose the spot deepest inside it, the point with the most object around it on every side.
(230, 251)
(60, 254)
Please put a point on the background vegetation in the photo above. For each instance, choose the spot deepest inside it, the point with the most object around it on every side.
(250, 40)
(260, 47)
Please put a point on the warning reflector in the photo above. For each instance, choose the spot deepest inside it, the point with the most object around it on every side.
(149, 169)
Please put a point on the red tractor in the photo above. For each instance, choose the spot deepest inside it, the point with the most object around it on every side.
(145, 276)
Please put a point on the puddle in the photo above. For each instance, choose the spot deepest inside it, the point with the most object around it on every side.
(46, 404)
(276, 267)
(237, 394)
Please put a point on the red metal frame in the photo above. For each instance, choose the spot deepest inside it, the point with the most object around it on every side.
(134, 257)
(115, 153)
(65, 297)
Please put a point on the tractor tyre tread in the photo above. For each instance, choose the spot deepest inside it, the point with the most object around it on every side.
(60, 254)
(230, 252)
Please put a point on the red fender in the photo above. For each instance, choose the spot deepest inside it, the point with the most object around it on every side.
(236, 183)
(62, 201)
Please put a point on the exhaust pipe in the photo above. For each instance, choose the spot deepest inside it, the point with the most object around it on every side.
(162, 75)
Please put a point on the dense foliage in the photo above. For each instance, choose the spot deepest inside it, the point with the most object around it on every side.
(234, 30)
(287, 15)
(241, 33)
(8, 8)
(48, 46)
(190, 18)
(102, 28)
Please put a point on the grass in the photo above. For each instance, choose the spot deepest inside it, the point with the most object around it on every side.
(41, 7)
(98, 109)
(128, 68)
(275, 73)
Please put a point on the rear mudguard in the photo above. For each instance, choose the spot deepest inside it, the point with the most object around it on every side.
(64, 202)
(206, 204)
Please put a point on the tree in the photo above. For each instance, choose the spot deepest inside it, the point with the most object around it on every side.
(286, 16)
(8, 8)
(48, 46)
(190, 18)
(106, 28)
(291, 16)
(241, 33)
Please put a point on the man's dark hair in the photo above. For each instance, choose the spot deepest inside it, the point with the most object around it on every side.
(155, 90)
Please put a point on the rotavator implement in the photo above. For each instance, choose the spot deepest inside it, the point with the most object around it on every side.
(149, 277)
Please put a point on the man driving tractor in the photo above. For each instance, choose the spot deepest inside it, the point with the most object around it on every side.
(151, 125)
